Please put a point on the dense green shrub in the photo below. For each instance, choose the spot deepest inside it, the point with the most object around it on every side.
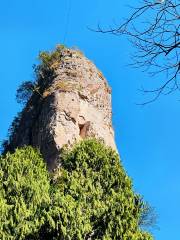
(24, 193)
(88, 197)
(93, 197)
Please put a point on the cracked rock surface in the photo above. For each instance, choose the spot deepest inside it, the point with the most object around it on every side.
(76, 105)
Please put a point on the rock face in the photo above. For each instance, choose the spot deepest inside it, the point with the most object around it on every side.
(75, 104)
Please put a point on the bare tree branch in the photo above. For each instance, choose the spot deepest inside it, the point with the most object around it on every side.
(154, 30)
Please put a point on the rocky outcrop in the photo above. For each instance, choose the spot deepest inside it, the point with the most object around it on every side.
(74, 104)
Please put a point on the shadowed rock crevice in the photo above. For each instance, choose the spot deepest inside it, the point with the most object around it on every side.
(83, 129)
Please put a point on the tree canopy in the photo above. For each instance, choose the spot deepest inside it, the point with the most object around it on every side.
(24, 193)
(89, 196)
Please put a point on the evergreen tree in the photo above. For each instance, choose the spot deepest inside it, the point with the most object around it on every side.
(24, 193)
(93, 197)
(90, 196)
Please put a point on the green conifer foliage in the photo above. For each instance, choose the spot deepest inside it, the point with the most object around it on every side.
(24, 193)
(90, 196)
(93, 197)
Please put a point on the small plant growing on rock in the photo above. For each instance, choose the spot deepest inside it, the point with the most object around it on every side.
(51, 59)
(24, 92)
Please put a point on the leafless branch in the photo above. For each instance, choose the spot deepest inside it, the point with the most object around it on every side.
(154, 30)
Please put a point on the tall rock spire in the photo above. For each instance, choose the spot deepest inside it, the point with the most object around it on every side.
(72, 102)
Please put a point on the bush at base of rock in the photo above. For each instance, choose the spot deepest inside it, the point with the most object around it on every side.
(24, 193)
(88, 197)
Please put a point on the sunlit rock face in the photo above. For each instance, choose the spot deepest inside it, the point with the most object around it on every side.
(75, 105)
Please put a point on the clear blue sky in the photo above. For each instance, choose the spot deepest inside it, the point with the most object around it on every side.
(147, 137)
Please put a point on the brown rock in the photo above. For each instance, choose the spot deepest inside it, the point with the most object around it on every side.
(76, 104)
